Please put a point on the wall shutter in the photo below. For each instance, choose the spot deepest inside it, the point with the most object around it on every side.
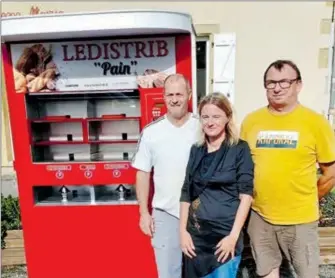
(224, 49)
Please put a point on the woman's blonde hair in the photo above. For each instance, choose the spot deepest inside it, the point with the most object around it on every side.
(222, 102)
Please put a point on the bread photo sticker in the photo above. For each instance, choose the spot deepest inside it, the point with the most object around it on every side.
(35, 70)
(151, 79)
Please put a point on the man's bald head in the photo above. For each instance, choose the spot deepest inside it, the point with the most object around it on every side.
(177, 78)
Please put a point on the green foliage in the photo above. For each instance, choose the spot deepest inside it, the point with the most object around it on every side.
(3, 234)
(10, 216)
(10, 212)
(327, 209)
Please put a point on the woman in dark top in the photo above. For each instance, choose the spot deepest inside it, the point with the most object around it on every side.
(217, 194)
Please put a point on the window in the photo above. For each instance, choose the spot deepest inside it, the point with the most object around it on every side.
(202, 46)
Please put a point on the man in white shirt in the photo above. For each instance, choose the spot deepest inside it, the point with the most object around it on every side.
(165, 146)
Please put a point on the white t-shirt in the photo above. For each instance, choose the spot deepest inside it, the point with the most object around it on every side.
(166, 148)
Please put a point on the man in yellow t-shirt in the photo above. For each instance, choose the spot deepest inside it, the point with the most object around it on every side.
(287, 141)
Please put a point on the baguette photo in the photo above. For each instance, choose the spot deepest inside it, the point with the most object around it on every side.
(35, 70)
(151, 78)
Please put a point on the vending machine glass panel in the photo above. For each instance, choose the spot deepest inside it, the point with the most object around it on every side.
(83, 127)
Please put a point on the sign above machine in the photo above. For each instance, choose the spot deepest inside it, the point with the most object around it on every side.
(93, 65)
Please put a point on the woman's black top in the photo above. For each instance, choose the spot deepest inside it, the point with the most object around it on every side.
(212, 186)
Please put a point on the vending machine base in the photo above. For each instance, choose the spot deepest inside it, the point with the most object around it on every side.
(118, 253)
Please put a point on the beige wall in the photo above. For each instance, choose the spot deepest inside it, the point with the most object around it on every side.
(6, 151)
(264, 31)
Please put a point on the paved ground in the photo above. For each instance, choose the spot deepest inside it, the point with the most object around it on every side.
(325, 272)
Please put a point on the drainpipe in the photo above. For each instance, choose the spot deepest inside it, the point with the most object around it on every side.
(331, 66)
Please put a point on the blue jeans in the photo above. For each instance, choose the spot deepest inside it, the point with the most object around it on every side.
(227, 270)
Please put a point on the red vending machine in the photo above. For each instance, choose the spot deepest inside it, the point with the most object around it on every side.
(80, 88)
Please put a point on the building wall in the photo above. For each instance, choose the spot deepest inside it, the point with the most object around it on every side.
(265, 31)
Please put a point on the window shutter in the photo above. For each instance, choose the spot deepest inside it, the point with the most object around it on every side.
(224, 64)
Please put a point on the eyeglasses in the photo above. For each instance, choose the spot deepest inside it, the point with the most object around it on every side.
(284, 83)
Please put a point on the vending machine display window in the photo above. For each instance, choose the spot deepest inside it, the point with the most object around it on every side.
(83, 127)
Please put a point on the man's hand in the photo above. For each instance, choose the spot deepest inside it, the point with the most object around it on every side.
(327, 180)
(325, 185)
(147, 224)
(142, 192)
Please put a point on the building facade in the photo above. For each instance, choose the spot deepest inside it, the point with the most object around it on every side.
(236, 42)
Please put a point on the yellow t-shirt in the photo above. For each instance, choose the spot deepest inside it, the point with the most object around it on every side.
(285, 150)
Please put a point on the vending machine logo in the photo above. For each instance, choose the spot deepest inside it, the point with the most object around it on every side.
(93, 65)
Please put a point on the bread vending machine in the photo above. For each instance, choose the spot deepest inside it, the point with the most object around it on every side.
(80, 89)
